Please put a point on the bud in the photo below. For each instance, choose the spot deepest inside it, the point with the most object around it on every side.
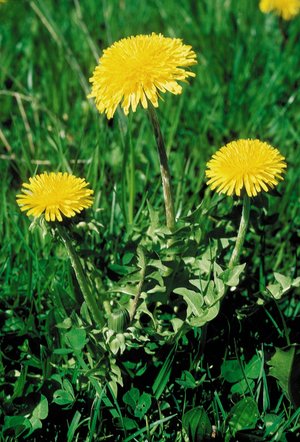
(118, 320)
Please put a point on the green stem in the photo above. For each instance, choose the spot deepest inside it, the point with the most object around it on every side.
(241, 233)
(283, 31)
(131, 181)
(79, 272)
(164, 168)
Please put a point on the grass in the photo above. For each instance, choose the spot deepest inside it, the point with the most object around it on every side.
(246, 85)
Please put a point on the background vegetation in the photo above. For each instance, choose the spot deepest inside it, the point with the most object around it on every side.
(58, 384)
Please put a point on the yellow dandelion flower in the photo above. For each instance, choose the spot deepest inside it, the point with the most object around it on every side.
(136, 69)
(287, 9)
(250, 164)
(54, 195)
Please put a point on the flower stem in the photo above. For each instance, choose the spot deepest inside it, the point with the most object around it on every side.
(131, 181)
(164, 168)
(79, 272)
(241, 233)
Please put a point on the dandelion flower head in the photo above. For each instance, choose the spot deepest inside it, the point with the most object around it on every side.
(55, 195)
(287, 9)
(252, 165)
(136, 69)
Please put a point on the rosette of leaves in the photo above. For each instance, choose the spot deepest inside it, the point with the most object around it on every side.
(177, 280)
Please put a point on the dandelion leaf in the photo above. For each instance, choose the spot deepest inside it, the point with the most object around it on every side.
(193, 299)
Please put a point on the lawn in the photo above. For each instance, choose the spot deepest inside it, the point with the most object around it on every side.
(126, 322)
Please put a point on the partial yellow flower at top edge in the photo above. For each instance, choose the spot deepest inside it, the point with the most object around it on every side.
(55, 195)
(287, 9)
(136, 69)
(250, 164)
